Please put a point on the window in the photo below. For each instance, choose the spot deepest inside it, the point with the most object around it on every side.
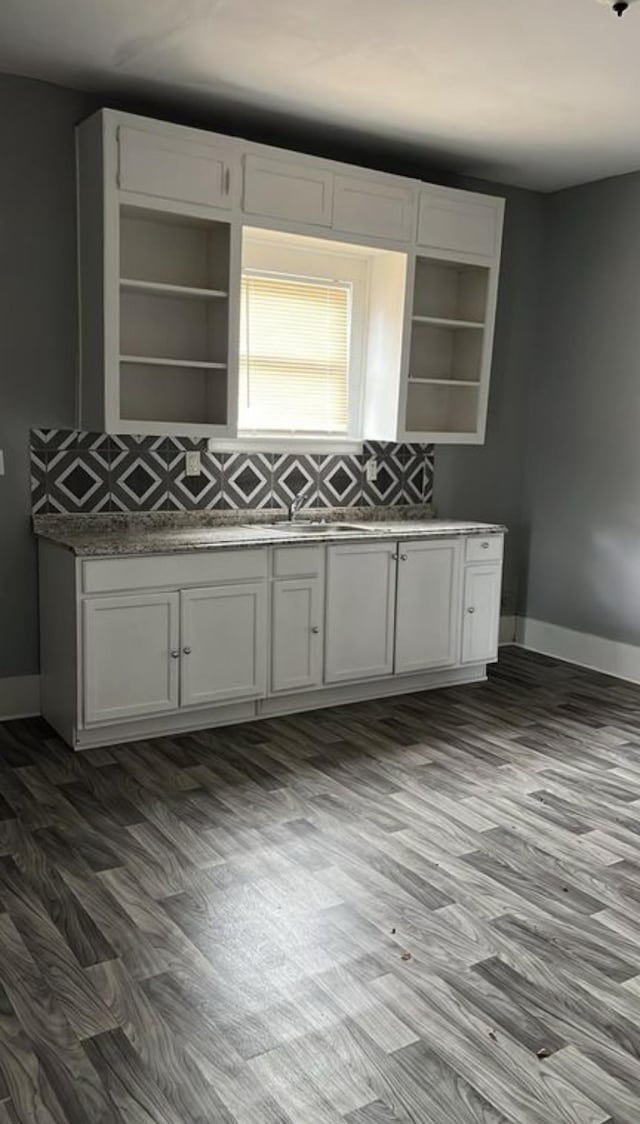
(303, 321)
(294, 354)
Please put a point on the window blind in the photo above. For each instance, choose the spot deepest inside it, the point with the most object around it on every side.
(294, 354)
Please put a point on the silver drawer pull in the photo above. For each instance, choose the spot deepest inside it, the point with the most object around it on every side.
(485, 545)
(471, 609)
(315, 629)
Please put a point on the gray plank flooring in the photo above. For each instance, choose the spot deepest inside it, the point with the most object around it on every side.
(424, 909)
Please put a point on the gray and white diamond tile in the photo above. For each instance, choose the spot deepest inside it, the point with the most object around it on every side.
(193, 493)
(247, 480)
(77, 481)
(138, 481)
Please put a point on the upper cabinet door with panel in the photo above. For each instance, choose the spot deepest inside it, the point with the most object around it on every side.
(460, 221)
(296, 192)
(382, 210)
(173, 167)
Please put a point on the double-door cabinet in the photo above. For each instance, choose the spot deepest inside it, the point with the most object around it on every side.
(163, 638)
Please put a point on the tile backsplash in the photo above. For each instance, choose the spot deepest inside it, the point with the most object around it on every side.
(75, 472)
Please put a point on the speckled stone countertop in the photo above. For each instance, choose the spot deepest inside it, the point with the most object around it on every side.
(102, 536)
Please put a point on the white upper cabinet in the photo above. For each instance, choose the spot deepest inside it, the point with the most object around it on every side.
(459, 221)
(380, 209)
(161, 214)
(299, 191)
(169, 166)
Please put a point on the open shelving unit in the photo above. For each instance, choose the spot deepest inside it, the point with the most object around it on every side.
(174, 317)
(447, 347)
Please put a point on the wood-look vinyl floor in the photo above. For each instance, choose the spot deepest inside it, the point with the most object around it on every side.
(424, 909)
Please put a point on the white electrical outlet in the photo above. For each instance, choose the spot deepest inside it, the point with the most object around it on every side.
(192, 464)
(372, 470)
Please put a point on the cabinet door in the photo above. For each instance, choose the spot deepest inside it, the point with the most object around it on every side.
(171, 167)
(296, 192)
(360, 610)
(460, 221)
(296, 634)
(361, 206)
(224, 640)
(428, 609)
(481, 625)
(131, 650)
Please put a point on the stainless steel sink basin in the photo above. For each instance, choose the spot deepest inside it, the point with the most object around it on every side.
(303, 526)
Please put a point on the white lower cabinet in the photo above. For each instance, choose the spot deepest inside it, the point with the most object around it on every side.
(224, 642)
(360, 611)
(131, 655)
(296, 634)
(240, 634)
(481, 616)
(428, 605)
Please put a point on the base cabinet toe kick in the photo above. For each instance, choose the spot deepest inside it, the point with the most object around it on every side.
(139, 647)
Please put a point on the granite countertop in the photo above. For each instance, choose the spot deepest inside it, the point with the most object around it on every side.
(101, 536)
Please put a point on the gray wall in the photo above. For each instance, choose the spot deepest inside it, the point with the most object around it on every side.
(582, 493)
(38, 327)
(486, 481)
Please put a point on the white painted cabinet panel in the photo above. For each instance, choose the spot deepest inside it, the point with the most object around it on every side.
(131, 655)
(459, 221)
(172, 167)
(481, 624)
(224, 642)
(295, 192)
(428, 605)
(382, 210)
(296, 634)
(360, 610)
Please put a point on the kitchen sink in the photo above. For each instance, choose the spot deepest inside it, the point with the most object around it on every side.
(302, 526)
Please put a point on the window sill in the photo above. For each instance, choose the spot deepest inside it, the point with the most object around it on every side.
(268, 444)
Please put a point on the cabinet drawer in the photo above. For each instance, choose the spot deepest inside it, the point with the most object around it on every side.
(296, 192)
(451, 220)
(297, 561)
(484, 548)
(107, 574)
(173, 168)
(382, 210)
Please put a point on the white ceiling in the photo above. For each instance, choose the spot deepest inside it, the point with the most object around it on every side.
(541, 93)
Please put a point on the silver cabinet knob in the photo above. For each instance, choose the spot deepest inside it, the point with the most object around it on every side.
(187, 651)
(315, 628)
(403, 557)
(485, 545)
(175, 654)
(471, 609)
(394, 557)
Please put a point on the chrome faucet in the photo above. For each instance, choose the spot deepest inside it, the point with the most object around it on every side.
(296, 503)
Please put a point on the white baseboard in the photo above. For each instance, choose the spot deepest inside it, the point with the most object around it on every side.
(507, 634)
(593, 652)
(19, 697)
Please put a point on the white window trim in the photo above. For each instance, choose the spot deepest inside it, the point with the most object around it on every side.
(292, 255)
